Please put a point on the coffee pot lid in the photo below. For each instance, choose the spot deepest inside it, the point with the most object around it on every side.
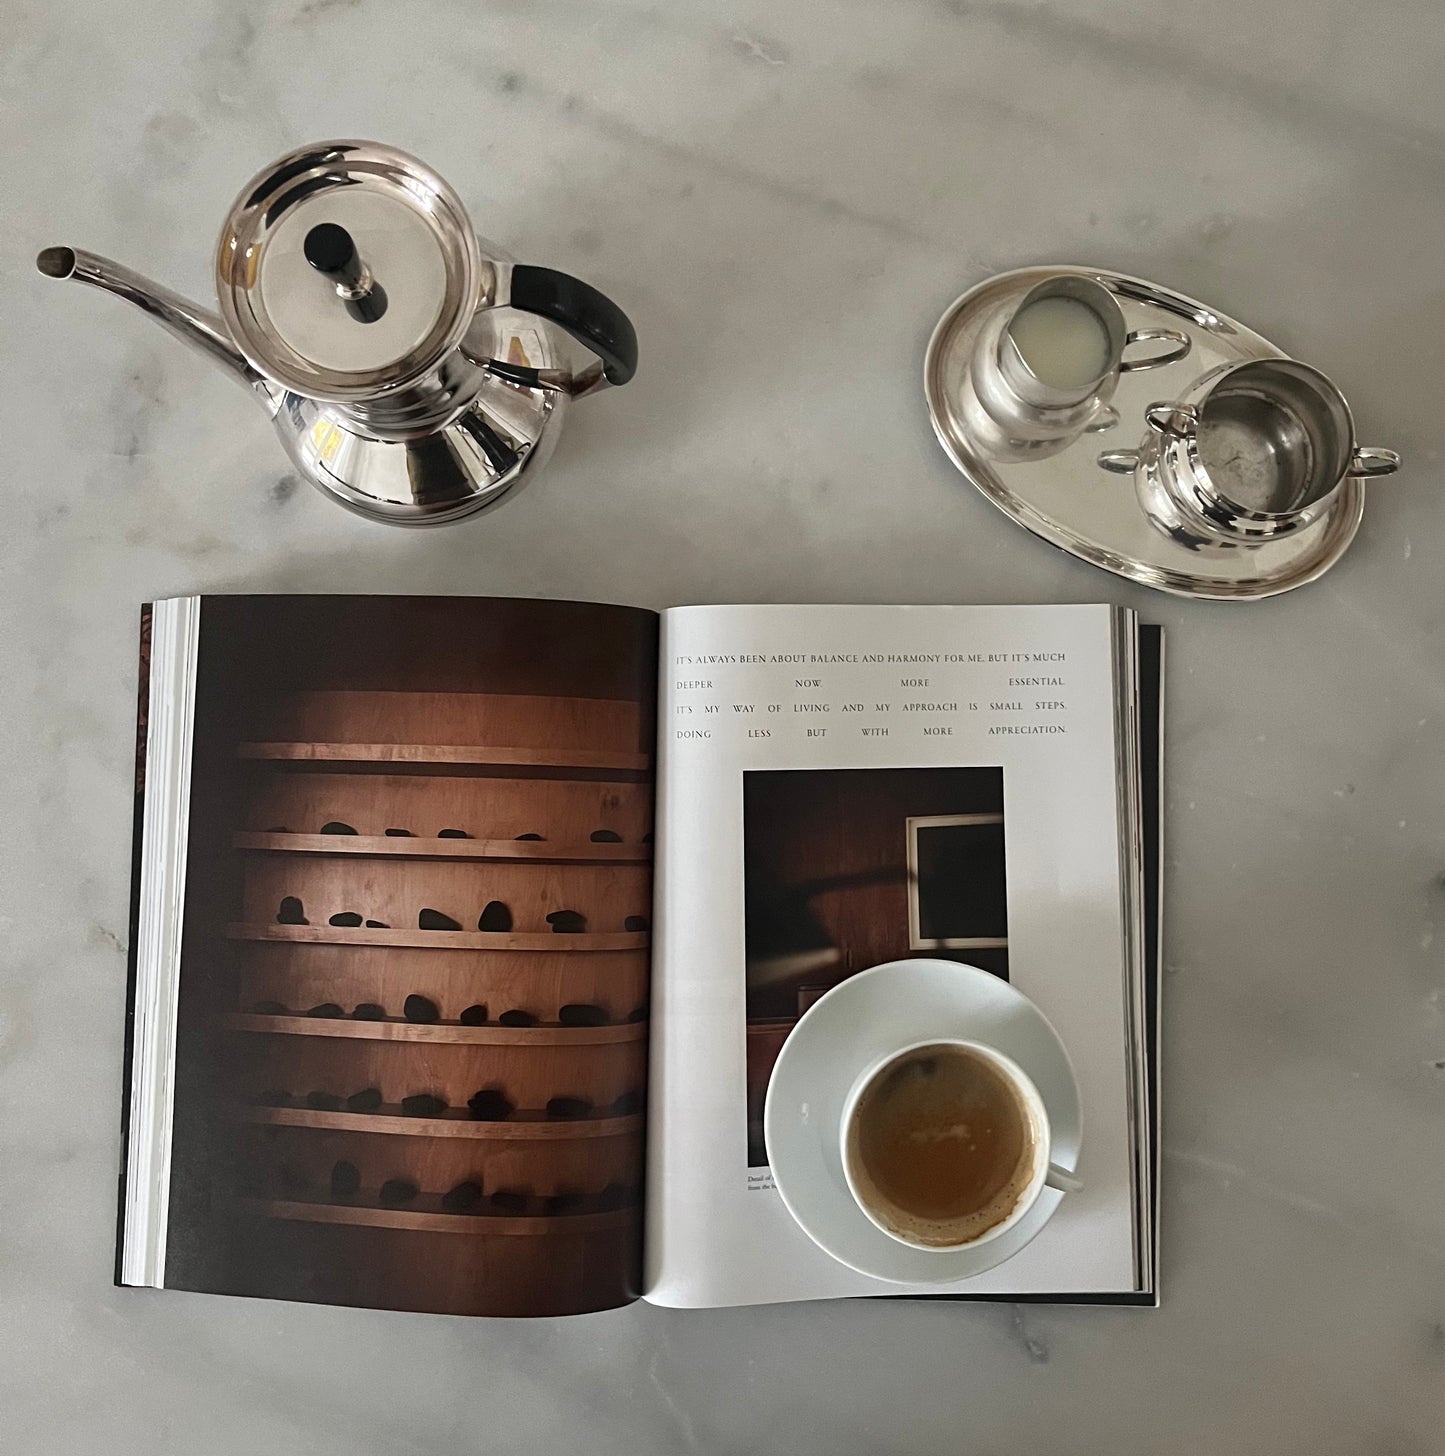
(347, 268)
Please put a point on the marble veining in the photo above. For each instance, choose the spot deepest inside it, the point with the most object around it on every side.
(785, 196)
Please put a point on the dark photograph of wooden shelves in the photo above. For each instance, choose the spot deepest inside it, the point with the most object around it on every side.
(411, 1058)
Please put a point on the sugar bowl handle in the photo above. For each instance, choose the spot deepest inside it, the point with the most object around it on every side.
(589, 316)
(1369, 460)
(1172, 419)
(1181, 342)
(1119, 462)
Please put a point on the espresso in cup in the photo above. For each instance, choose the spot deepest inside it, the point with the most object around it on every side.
(943, 1147)
(946, 1144)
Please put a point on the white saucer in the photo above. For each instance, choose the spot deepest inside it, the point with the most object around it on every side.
(866, 1017)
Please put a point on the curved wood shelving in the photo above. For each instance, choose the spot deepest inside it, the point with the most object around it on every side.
(438, 1031)
(462, 755)
(394, 847)
(442, 939)
(454, 1123)
(428, 1220)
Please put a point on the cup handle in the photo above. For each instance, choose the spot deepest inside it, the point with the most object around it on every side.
(1064, 1182)
(1182, 345)
(1172, 419)
(1369, 460)
(1105, 418)
(1120, 462)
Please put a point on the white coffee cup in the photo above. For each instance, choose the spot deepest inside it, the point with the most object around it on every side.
(1041, 1173)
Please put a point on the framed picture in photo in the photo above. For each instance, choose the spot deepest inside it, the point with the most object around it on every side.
(957, 895)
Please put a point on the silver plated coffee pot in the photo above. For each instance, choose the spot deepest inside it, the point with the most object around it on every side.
(414, 372)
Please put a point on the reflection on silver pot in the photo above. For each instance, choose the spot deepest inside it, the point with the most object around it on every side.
(1251, 451)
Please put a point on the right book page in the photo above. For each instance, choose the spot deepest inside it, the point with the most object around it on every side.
(843, 786)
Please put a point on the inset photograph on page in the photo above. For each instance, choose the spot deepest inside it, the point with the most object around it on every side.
(848, 868)
(411, 1031)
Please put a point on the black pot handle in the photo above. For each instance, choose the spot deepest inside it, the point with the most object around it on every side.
(589, 316)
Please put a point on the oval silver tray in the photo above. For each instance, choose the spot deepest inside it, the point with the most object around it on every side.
(1070, 501)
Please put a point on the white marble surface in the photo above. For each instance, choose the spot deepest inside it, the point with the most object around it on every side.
(785, 195)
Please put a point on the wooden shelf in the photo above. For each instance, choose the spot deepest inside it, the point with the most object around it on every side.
(430, 1219)
(442, 939)
(456, 1122)
(461, 755)
(394, 847)
(438, 1031)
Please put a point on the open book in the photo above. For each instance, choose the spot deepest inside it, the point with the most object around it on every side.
(466, 932)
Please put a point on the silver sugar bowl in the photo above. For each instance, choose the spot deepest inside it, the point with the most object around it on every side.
(1251, 452)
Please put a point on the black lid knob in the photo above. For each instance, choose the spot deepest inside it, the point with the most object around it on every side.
(329, 249)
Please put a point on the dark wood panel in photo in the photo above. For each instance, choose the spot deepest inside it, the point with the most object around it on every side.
(826, 877)
(300, 975)
(564, 812)
(525, 1126)
(427, 1216)
(433, 644)
(396, 891)
(530, 1076)
(438, 1273)
(446, 1032)
(764, 1044)
(492, 720)
(389, 847)
(459, 756)
(290, 1161)
(449, 940)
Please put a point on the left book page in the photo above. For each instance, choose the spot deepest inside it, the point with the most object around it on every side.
(391, 954)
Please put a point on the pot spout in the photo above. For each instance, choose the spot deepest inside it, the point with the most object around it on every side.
(194, 326)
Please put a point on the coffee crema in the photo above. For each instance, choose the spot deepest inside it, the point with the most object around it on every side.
(942, 1146)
